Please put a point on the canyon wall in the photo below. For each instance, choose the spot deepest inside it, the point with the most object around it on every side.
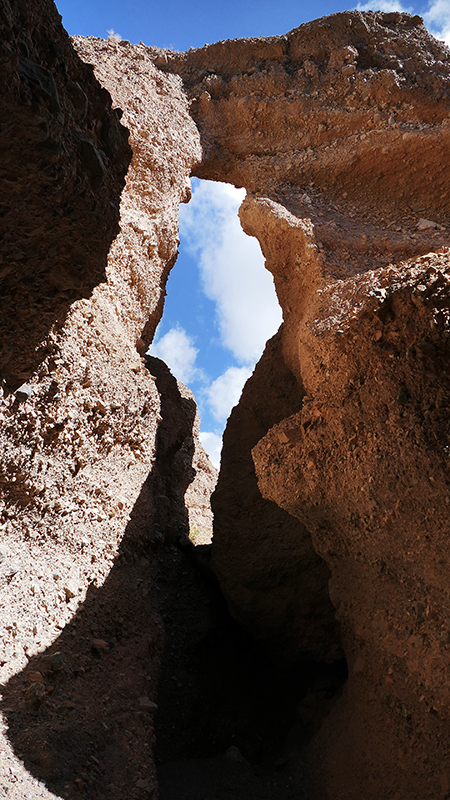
(278, 593)
(331, 507)
(82, 290)
(80, 409)
(339, 131)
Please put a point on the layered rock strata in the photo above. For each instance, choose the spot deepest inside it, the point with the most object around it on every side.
(339, 132)
(341, 103)
(364, 466)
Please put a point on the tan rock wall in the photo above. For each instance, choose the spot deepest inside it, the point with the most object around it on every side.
(339, 132)
(78, 445)
(159, 179)
(78, 442)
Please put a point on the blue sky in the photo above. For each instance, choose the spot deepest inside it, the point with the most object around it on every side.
(220, 307)
(180, 25)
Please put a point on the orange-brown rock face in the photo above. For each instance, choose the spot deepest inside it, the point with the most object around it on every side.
(339, 132)
(364, 466)
(341, 103)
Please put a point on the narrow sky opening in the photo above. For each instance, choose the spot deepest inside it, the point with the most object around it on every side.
(220, 309)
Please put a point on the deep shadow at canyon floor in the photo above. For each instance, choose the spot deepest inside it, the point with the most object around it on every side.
(83, 715)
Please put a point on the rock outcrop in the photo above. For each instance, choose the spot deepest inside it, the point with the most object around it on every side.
(78, 439)
(364, 466)
(183, 476)
(339, 131)
(64, 155)
(79, 410)
(276, 583)
(342, 103)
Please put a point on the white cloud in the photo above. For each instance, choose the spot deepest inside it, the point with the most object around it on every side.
(383, 5)
(113, 35)
(225, 391)
(177, 349)
(437, 20)
(232, 269)
(212, 443)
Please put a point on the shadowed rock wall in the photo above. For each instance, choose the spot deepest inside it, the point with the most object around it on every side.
(63, 158)
(276, 583)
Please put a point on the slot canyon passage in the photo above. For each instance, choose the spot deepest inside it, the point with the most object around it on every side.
(118, 651)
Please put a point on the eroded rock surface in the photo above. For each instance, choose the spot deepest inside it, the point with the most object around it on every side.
(78, 444)
(342, 102)
(183, 477)
(64, 155)
(364, 466)
(159, 179)
(78, 440)
(276, 583)
(339, 131)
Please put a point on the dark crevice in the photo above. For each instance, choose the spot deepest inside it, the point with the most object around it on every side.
(232, 712)
(229, 715)
(229, 719)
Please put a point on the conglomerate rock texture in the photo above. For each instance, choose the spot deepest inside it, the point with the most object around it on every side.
(339, 131)
(64, 155)
(364, 466)
(78, 440)
(79, 409)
